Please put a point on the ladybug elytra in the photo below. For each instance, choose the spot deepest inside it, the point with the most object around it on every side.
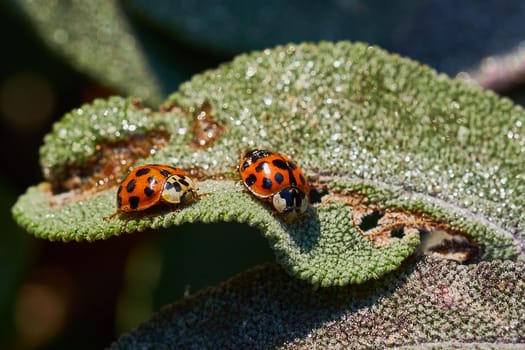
(275, 178)
(148, 185)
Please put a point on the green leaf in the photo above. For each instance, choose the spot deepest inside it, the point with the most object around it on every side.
(432, 304)
(392, 149)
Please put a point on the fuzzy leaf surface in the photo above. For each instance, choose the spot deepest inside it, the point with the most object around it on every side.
(428, 305)
(363, 124)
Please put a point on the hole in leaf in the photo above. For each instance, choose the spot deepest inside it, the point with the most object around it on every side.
(317, 193)
(381, 226)
(371, 220)
(398, 232)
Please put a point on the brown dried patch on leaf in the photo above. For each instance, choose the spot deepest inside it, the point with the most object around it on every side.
(137, 102)
(172, 107)
(205, 129)
(105, 168)
(381, 225)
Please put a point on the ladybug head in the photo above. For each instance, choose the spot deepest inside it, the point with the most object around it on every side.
(290, 202)
(179, 189)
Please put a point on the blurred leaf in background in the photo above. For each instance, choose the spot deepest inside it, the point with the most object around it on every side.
(453, 37)
(33, 89)
(146, 48)
(236, 26)
(98, 39)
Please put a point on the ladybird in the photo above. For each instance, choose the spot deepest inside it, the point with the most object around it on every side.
(275, 178)
(148, 185)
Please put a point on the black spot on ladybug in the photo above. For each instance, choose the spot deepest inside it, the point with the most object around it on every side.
(266, 183)
(184, 182)
(292, 165)
(152, 181)
(119, 201)
(303, 180)
(169, 185)
(261, 167)
(279, 178)
(134, 202)
(245, 165)
(165, 173)
(142, 171)
(250, 180)
(130, 186)
(148, 191)
(281, 164)
(293, 181)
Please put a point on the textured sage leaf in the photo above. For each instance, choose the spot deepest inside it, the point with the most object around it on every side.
(361, 122)
(432, 304)
(96, 39)
(74, 139)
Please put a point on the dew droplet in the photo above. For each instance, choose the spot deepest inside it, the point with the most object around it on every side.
(250, 72)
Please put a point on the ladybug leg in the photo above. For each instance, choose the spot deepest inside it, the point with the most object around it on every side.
(109, 217)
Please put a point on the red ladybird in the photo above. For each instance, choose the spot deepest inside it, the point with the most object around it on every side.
(276, 178)
(151, 184)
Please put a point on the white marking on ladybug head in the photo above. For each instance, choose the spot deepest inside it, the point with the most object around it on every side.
(291, 202)
(279, 203)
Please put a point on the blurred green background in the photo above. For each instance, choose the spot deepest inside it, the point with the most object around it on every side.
(58, 54)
